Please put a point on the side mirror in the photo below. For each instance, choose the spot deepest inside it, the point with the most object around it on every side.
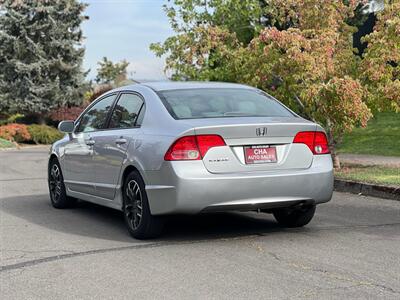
(66, 126)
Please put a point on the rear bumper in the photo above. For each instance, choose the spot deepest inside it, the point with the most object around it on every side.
(187, 187)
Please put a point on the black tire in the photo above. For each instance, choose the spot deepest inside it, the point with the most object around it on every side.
(294, 217)
(140, 222)
(58, 195)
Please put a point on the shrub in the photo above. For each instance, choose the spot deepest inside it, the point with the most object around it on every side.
(15, 133)
(66, 113)
(7, 119)
(43, 134)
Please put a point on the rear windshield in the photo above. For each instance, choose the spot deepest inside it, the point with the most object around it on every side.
(220, 103)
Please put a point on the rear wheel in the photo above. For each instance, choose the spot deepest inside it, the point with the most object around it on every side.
(58, 195)
(140, 222)
(295, 217)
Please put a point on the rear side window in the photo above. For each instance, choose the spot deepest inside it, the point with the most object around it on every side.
(96, 116)
(126, 111)
(220, 103)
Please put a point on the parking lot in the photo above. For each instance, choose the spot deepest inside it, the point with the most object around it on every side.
(350, 250)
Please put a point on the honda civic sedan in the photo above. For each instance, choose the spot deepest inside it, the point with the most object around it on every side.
(163, 148)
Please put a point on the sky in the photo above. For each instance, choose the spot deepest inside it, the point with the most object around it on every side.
(124, 29)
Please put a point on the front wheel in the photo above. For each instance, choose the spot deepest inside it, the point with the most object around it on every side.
(140, 222)
(295, 217)
(58, 195)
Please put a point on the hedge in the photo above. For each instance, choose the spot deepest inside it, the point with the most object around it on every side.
(43, 134)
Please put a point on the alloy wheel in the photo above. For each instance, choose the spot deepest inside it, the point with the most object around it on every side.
(55, 183)
(133, 204)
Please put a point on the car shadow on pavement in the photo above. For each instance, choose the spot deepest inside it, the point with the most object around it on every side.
(218, 225)
(85, 219)
(95, 221)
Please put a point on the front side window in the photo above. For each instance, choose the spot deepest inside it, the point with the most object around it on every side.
(96, 117)
(220, 103)
(126, 111)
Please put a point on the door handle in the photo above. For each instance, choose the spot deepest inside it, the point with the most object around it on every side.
(120, 141)
(90, 142)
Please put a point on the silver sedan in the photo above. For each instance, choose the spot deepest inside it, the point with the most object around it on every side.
(185, 147)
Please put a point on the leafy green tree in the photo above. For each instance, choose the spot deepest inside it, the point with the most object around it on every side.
(305, 57)
(380, 67)
(316, 67)
(201, 54)
(243, 17)
(40, 55)
(111, 73)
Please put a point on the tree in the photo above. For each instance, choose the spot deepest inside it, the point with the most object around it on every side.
(40, 56)
(111, 73)
(245, 18)
(313, 67)
(381, 61)
(199, 55)
(242, 17)
(305, 58)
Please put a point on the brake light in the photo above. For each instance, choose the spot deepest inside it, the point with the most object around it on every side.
(184, 148)
(193, 147)
(206, 142)
(315, 140)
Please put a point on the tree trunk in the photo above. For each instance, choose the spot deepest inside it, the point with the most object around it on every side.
(332, 148)
(335, 158)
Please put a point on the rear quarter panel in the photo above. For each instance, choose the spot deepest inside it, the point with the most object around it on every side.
(158, 131)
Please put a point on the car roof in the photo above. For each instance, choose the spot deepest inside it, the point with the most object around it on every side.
(181, 85)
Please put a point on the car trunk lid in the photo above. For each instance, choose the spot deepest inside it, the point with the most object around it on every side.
(245, 138)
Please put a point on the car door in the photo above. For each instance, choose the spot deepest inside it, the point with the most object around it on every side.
(78, 152)
(111, 145)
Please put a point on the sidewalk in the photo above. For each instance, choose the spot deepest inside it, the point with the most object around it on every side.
(368, 160)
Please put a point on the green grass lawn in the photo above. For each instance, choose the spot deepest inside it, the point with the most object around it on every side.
(371, 174)
(6, 144)
(380, 137)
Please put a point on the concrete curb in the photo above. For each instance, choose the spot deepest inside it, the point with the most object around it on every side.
(8, 149)
(18, 148)
(367, 189)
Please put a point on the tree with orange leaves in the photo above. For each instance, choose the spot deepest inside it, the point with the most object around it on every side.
(380, 67)
(304, 57)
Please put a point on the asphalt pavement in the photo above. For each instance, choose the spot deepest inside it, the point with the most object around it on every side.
(351, 249)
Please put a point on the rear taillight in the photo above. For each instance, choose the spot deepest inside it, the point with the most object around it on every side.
(315, 140)
(206, 142)
(321, 143)
(193, 147)
(184, 148)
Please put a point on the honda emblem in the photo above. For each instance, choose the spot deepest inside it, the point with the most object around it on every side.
(261, 131)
